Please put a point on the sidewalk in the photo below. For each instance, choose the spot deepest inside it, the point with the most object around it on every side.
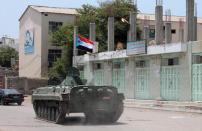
(192, 107)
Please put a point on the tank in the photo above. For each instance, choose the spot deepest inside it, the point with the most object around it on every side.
(98, 103)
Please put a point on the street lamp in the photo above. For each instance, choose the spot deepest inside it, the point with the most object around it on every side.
(124, 20)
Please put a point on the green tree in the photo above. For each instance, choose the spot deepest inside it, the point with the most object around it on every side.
(118, 8)
(63, 37)
(88, 13)
(6, 53)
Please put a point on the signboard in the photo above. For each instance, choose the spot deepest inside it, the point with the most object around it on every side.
(135, 48)
(29, 42)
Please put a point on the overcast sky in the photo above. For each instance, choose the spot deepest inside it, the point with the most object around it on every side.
(11, 10)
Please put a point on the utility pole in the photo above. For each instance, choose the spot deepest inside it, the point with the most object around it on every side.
(75, 51)
(92, 36)
(132, 30)
(168, 28)
(189, 20)
(159, 22)
(111, 34)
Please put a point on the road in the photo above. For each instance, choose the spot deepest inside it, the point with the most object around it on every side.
(22, 118)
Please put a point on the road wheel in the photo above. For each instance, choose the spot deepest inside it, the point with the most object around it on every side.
(61, 111)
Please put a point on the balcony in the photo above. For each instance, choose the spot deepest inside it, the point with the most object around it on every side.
(166, 48)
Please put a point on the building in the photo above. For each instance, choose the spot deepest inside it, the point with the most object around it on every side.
(10, 42)
(170, 72)
(36, 52)
(166, 71)
(178, 23)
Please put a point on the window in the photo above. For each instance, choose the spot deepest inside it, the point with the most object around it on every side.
(142, 64)
(173, 31)
(97, 66)
(53, 55)
(197, 59)
(117, 65)
(152, 33)
(81, 67)
(54, 26)
(170, 62)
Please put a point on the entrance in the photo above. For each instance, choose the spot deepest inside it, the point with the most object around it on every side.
(118, 75)
(98, 74)
(170, 79)
(142, 74)
(197, 77)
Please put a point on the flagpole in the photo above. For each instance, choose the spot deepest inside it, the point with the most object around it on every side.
(75, 51)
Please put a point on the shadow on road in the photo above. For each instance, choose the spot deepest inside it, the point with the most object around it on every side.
(11, 104)
(76, 120)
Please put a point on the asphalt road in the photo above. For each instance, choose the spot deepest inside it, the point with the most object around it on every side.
(22, 118)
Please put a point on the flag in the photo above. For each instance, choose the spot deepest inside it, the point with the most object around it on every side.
(84, 44)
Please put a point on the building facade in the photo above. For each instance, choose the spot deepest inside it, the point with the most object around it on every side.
(170, 72)
(36, 51)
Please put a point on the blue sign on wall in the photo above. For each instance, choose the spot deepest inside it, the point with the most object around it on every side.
(135, 48)
(29, 42)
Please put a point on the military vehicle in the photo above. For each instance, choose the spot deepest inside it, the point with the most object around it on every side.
(98, 103)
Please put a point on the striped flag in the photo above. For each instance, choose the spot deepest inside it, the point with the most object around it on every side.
(84, 44)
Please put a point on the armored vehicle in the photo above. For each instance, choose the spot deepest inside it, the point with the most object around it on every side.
(98, 103)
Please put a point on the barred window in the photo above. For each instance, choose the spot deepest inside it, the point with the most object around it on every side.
(54, 26)
(53, 55)
(197, 59)
(98, 66)
(142, 64)
(170, 61)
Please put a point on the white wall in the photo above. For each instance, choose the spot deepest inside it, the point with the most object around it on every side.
(30, 64)
(35, 65)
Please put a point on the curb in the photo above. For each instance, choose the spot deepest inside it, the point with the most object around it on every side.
(167, 106)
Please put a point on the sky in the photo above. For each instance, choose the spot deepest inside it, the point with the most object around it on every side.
(11, 10)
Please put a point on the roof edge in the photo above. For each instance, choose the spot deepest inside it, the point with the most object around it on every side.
(30, 6)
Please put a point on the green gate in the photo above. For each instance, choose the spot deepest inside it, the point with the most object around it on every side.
(81, 71)
(142, 74)
(197, 77)
(170, 79)
(170, 83)
(99, 77)
(118, 75)
(98, 74)
(82, 74)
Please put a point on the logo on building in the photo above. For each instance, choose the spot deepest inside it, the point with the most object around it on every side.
(135, 48)
(29, 42)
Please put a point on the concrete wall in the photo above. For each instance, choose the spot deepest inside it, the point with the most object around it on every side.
(26, 85)
(2, 81)
(30, 64)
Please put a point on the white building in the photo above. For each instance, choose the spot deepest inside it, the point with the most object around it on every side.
(171, 71)
(10, 42)
(36, 52)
